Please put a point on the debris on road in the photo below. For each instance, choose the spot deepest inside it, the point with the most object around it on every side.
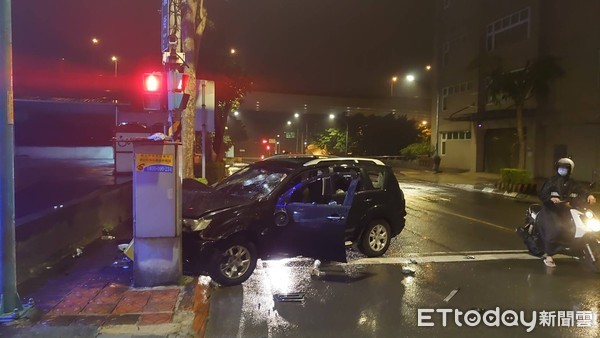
(469, 257)
(314, 271)
(451, 294)
(289, 297)
(78, 253)
(408, 271)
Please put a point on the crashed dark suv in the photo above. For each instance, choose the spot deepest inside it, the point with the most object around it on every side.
(288, 206)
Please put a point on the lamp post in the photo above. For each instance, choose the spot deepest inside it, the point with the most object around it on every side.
(115, 60)
(394, 79)
(436, 155)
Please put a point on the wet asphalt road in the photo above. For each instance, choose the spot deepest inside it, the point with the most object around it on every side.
(457, 240)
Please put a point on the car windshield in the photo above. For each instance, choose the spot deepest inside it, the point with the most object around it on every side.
(252, 183)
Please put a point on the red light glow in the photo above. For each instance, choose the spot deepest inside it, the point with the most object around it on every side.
(152, 83)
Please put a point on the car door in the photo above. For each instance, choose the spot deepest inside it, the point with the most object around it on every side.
(369, 198)
(312, 222)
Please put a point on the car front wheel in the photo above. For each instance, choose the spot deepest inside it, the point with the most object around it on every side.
(235, 263)
(376, 238)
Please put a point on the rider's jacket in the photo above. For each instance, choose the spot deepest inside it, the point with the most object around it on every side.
(562, 187)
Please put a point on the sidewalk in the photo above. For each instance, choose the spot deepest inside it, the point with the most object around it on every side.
(91, 295)
(468, 180)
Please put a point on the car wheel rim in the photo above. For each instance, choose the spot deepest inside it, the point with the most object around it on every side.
(378, 237)
(237, 262)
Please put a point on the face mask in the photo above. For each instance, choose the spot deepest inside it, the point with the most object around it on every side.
(563, 171)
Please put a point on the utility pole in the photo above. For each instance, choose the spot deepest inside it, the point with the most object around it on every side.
(10, 304)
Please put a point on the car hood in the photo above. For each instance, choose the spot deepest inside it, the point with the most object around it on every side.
(199, 199)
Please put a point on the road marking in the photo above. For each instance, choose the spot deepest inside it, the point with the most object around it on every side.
(451, 258)
(495, 226)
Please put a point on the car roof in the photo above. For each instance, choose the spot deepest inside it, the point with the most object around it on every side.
(297, 161)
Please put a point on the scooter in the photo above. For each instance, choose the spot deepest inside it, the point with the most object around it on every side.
(583, 242)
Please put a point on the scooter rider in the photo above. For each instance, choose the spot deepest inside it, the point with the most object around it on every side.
(553, 219)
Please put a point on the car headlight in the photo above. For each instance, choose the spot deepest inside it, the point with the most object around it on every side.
(197, 224)
(593, 224)
(589, 214)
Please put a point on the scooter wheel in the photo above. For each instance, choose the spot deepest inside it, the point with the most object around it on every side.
(591, 252)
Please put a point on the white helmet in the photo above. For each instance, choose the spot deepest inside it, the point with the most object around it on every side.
(566, 162)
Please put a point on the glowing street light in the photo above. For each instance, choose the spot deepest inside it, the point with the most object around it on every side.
(115, 60)
(232, 51)
(394, 79)
(410, 78)
(95, 41)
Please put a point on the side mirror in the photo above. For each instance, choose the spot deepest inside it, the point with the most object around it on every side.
(281, 218)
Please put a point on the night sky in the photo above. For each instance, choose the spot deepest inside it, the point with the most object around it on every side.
(322, 47)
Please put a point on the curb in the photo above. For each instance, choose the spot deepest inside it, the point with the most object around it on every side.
(495, 191)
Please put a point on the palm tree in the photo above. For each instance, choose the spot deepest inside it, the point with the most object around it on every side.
(518, 86)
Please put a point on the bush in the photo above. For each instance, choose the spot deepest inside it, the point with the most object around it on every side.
(514, 176)
(415, 150)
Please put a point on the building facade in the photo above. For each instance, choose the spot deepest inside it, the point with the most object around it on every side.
(477, 135)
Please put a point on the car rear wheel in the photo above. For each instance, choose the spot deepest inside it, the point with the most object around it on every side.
(376, 238)
(235, 262)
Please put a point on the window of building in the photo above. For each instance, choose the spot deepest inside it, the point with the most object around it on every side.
(456, 135)
(509, 29)
(443, 152)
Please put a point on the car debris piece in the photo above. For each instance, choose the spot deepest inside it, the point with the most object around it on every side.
(469, 257)
(408, 272)
(451, 294)
(314, 271)
(412, 261)
(289, 297)
(78, 253)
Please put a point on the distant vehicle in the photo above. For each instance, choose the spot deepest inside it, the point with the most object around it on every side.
(289, 206)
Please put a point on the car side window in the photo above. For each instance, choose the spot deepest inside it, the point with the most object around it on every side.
(314, 192)
(377, 178)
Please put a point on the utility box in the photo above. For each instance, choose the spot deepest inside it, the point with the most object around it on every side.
(157, 178)
(124, 148)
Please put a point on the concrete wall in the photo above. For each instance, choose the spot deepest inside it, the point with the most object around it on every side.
(99, 153)
(45, 240)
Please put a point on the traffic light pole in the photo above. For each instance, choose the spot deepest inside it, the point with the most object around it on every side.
(10, 304)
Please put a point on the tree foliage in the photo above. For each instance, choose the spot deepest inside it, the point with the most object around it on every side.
(371, 135)
(332, 140)
(381, 135)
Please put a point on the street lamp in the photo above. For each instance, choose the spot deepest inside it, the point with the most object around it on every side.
(115, 60)
(394, 79)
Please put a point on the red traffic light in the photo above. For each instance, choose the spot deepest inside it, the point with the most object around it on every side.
(153, 91)
(152, 82)
(182, 83)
